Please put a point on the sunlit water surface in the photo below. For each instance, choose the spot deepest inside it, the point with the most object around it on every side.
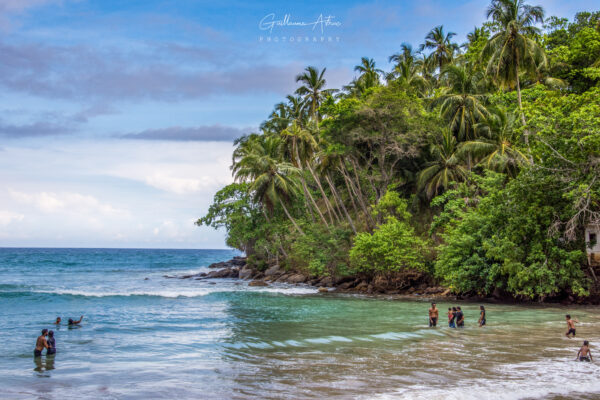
(144, 336)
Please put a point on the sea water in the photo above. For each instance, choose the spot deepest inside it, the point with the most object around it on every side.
(145, 336)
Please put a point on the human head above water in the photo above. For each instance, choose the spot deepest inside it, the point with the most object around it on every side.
(458, 308)
(432, 304)
(568, 316)
(453, 308)
(70, 321)
(44, 332)
(586, 343)
(481, 308)
(58, 320)
(51, 333)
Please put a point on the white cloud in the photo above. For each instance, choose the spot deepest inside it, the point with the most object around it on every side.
(6, 217)
(66, 202)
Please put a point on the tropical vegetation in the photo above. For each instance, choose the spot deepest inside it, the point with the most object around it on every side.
(474, 165)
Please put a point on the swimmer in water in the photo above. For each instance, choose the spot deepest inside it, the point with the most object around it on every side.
(51, 344)
(40, 343)
(71, 322)
(433, 315)
(451, 317)
(58, 320)
(570, 326)
(481, 316)
(584, 353)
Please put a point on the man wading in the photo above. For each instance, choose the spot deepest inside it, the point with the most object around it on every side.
(40, 344)
(433, 315)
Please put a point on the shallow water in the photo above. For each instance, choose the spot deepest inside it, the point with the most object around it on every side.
(171, 338)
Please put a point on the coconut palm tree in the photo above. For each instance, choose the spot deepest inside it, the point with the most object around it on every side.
(495, 147)
(313, 90)
(445, 168)
(462, 103)
(369, 74)
(511, 50)
(408, 68)
(272, 181)
(441, 44)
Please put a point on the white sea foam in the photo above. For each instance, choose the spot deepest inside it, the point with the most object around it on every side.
(528, 380)
(179, 292)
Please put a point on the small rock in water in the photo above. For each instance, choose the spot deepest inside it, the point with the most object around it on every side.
(323, 290)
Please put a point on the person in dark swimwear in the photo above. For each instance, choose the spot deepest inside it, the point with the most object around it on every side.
(584, 353)
(71, 322)
(451, 317)
(481, 316)
(570, 326)
(58, 320)
(433, 315)
(51, 344)
(40, 343)
(460, 318)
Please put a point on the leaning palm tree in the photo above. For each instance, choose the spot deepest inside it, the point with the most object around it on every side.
(369, 74)
(511, 50)
(445, 168)
(495, 147)
(462, 103)
(313, 90)
(272, 181)
(441, 44)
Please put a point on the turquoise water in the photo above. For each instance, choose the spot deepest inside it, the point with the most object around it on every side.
(145, 336)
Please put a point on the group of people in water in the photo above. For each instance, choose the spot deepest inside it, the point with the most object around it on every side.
(47, 341)
(456, 319)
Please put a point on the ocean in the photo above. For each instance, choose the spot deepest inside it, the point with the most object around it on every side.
(144, 336)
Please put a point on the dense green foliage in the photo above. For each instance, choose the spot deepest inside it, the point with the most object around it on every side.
(475, 164)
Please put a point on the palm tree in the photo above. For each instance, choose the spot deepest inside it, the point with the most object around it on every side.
(462, 103)
(408, 68)
(444, 169)
(511, 50)
(256, 160)
(495, 145)
(313, 90)
(369, 74)
(440, 43)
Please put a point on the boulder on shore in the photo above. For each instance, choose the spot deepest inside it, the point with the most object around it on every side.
(245, 273)
(274, 270)
(258, 283)
(297, 278)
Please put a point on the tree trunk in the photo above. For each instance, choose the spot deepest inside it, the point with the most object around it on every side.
(290, 217)
(340, 202)
(306, 191)
(525, 131)
(328, 205)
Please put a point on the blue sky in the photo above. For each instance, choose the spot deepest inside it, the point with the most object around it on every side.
(117, 117)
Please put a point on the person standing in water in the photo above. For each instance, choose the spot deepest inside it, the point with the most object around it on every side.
(570, 326)
(481, 316)
(460, 318)
(51, 344)
(433, 315)
(40, 343)
(584, 353)
(451, 317)
(71, 322)
(58, 319)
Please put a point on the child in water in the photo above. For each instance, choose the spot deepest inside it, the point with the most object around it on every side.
(481, 316)
(451, 317)
(584, 353)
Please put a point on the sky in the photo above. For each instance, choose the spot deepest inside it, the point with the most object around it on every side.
(117, 117)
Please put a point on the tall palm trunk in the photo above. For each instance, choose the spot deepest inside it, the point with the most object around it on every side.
(328, 205)
(340, 202)
(359, 196)
(304, 186)
(285, 210)
(526, 131)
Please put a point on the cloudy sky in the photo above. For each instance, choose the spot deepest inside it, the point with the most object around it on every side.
(117, 117)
